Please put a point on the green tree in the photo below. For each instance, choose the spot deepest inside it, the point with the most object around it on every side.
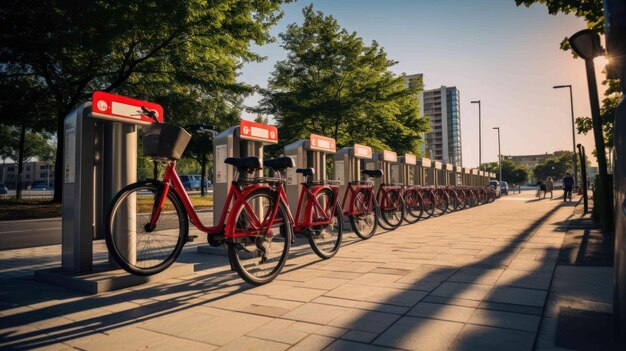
(165, 51)
(333, 84)
(512, 173)
(554, 167)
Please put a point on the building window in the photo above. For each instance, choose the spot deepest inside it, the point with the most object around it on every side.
(43, 175)
(11, 169)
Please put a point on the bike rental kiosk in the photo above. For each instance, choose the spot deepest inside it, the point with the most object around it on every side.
(458, 175)
(422, 169)
(450, 175)
(99, 159)
(384, 161)
(475, 177)
(466, 177)
(406, 169)
(437, 173)
(348, 163)
(307, 153)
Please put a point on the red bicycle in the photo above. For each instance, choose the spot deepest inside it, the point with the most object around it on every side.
(362, 207)
(318, 215)
(148, 221)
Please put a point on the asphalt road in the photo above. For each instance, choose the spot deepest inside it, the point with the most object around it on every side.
(29, 233)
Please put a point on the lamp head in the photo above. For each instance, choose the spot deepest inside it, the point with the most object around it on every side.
(586, 44)
(475, 102)
(562, 86)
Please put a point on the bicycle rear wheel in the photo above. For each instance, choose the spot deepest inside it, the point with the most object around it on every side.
(259, 254)
(441, 202)
(325, 240)
(429, 204)
(414, 206)
(134, 245)
(392, 209)
(365, 222)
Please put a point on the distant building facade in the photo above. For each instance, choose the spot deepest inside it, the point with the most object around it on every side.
(443, 108)
(34, 173)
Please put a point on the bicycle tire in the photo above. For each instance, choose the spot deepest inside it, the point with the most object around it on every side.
(413, 206)
(256, 246)
(356, 221)
(130, 261)
(397, 213)
(328, 248)
(429, 204)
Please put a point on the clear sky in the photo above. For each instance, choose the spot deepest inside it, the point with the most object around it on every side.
(506, 56)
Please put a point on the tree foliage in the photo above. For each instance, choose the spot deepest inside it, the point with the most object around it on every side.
(165, 51)
(593, 13)
(554, 167)
(512, 173)
(333, 84)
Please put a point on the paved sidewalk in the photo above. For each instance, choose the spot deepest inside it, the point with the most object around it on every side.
(473, 280)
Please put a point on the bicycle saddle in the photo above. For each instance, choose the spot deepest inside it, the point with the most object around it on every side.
(251, 163)
(279, 164)
(307, 172)
(374, 173)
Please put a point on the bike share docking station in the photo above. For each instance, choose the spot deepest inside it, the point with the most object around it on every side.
(245, 140)
(423, 170)
(100, 158)
(457, 174)
(465, 176)
(385, 161)
(437, 172)
(348, 163)
(307, 153)
(405, 168)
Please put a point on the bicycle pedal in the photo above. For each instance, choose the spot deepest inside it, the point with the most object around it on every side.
(191, 238)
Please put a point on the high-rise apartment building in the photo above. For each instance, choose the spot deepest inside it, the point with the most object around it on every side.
(442, 106)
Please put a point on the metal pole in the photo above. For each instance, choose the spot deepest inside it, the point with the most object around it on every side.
(583, 171)
(480, 142)
(499, 153)
(606, 202)
(571, 99)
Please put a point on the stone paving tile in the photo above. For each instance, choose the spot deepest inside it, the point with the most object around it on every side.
(440, 311)
(353, 292)
(525, 279)
(315, 313)
(369, 321)
(479, 338)
(507, 320)
(360, 336)
(517, 296)
(223, 330)
(462, 290)
(412, 333)
(253, 344)
(279, 330)
(345, 345)
(171, 343)
(313, 342)
(392, 296)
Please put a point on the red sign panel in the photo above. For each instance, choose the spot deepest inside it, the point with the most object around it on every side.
(322, 143)
(249, 130)
(410, 159)
(390, 156)
(123, 109)
(362, 151)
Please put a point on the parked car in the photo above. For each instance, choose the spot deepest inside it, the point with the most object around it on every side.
(191, 181)
(496, 186)
(504, 188)
(40, 187)
(3, 189)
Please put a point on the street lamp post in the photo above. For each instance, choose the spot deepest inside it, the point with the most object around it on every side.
(571, 99)
(479, 136)
(499, 153)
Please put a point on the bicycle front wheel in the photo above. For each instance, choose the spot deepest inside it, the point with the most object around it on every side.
(365, 222)
(134, 244)
(414, 206)
(259, 254)
(325, 240)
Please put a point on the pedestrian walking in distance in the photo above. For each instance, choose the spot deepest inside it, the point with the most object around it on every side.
(568, 185)
(549, 187)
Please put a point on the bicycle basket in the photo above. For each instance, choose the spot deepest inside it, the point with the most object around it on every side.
(164, 141)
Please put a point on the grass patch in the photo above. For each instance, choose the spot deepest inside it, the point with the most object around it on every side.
(28, 209)
(11, 209)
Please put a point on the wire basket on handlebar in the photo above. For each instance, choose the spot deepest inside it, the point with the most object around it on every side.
(164, 141)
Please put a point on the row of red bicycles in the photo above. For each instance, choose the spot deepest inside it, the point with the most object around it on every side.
(148, 221)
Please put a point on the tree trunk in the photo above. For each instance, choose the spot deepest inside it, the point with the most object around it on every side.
(58, 164)
(20, 163)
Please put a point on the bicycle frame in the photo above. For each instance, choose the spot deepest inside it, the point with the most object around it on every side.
(351, 191)
(226, 226)
(308, 204)
(384, 201)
